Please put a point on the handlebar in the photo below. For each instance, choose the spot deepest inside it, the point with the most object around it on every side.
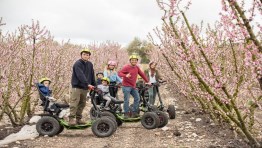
(115, 85)
(162, 81)
(156, 84)
(110, 85)
(145, 87)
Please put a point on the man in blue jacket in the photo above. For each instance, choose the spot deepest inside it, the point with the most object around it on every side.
(83, 78)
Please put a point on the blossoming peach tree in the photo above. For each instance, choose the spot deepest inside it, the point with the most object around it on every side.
(31, 53)
(217, 66)
(106, 51)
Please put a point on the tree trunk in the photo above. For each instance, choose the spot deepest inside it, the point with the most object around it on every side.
(260, 82)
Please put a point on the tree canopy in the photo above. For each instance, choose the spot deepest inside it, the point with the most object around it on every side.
(140, 47)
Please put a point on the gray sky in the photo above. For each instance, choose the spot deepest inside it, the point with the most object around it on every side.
(85, 21)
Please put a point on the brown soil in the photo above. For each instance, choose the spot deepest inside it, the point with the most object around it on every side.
(194, 133)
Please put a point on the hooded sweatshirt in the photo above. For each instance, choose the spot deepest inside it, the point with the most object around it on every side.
(83, 74)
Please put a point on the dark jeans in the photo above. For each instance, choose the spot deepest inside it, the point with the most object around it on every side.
(113, 90)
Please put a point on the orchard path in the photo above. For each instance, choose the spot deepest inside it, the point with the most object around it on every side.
(196, 129)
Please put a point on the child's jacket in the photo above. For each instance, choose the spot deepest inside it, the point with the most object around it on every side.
(98, 81)
(45, 90)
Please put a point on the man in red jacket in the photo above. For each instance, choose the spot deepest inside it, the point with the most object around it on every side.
(129, 74)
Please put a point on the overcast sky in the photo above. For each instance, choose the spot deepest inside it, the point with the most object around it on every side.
(85, 21)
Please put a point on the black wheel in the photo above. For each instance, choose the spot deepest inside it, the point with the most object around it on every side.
(171, 111)
(107, 113)
(163, 118)
(131, 108)
(48, 125)
(93, 113)
(150, 120)
(61, 129)
(113, 120)
(103, 127)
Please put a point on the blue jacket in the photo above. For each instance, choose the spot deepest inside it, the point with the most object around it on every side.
(45, 90)
(98, 81)
(113, 77)
(83, 74)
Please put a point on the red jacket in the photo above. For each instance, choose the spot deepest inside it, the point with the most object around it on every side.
(134, 71)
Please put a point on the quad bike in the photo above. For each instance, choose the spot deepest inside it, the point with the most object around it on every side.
(52, 122)
(144, 103)
(149, 120)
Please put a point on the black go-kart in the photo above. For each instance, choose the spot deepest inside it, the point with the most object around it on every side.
(52, 122)
(144, 102)
(149, 120)
(97, 96)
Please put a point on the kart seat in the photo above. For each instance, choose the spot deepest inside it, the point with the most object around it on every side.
(61, 105)
(45, 101)
(117, 101)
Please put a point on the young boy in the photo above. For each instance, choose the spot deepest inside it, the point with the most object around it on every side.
(43, 85)
(105, 89)
(99, 76)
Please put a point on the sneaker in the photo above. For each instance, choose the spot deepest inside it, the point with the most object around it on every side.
(126, 115)
(80, 122)
(135, 115)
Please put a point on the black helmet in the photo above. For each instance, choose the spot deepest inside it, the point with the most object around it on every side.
(100, 73)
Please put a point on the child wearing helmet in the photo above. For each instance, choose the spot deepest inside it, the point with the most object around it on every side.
(43, 85)
(111, 73)
(105, 89)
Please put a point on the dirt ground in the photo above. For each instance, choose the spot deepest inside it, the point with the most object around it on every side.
(7, 130)
(195, 127)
